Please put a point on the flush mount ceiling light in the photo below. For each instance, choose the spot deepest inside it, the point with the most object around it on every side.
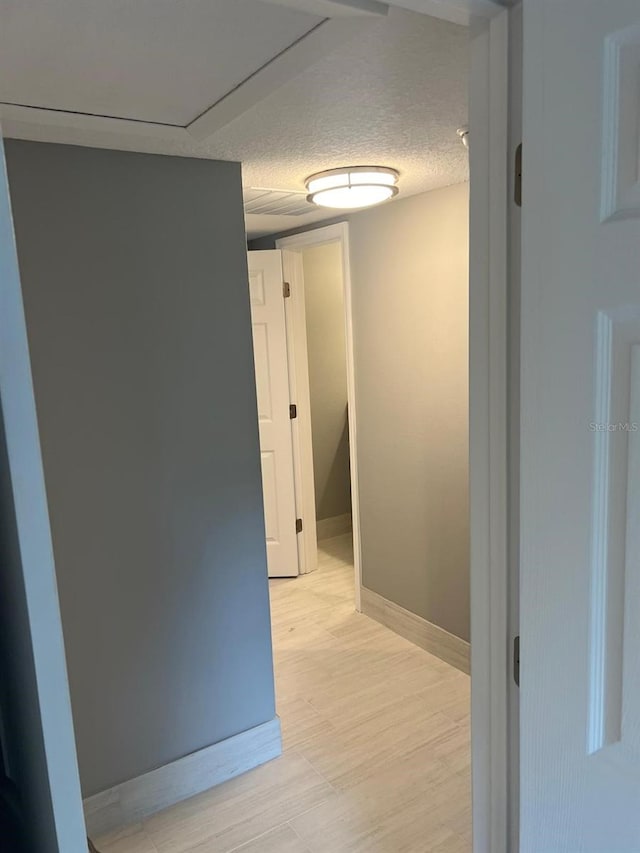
(352, 186)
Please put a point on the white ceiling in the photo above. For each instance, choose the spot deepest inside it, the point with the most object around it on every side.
(393, 94)
(149, 60)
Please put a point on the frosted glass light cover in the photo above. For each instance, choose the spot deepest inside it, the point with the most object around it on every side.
(352, 187)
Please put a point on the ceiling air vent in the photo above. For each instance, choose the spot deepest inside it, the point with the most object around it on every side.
(267, 202)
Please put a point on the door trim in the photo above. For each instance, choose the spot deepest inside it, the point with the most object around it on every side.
(488, 444)
(337, 233)
(297, 356)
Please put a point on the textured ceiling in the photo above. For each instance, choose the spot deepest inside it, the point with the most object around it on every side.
(149, 60)
(394, 95)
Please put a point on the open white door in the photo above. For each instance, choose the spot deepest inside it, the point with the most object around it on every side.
(580, 519)
(272, 386)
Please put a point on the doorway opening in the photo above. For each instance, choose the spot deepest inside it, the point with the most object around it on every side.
(359, 694)
(327, 364)
(321, 337)
(327, 737)
(486, 338)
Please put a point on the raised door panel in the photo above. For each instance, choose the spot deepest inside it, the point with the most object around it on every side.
(270, 491)
(580, 453)
(263, 378)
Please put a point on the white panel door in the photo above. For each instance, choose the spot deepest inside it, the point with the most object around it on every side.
(272, 386)
(580, 511)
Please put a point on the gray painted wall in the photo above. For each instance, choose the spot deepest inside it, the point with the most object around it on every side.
(410, 262)
(327, 356)
(409, 265)
(135, 287)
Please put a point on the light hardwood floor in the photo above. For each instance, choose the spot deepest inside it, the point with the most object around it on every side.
(376, 742)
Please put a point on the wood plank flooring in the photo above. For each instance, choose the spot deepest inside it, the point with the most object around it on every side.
(376, 742)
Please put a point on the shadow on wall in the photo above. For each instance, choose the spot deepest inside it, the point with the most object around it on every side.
(333, 490)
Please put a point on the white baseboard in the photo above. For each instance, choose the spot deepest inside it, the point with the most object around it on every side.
(138, 798)
(428, 636)
(337, 525)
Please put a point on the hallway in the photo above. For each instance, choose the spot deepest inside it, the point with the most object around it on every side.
(376, 742)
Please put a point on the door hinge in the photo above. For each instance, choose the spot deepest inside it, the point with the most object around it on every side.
(516, 660)
(293, 411)
(298, 525)
(517, 184)
(286, 289)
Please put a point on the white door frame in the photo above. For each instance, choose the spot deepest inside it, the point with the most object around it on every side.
(488, 443)
(294, 245)
(488, 416)
(297, 355)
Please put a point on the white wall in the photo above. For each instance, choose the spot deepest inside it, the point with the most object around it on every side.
(324, 306)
